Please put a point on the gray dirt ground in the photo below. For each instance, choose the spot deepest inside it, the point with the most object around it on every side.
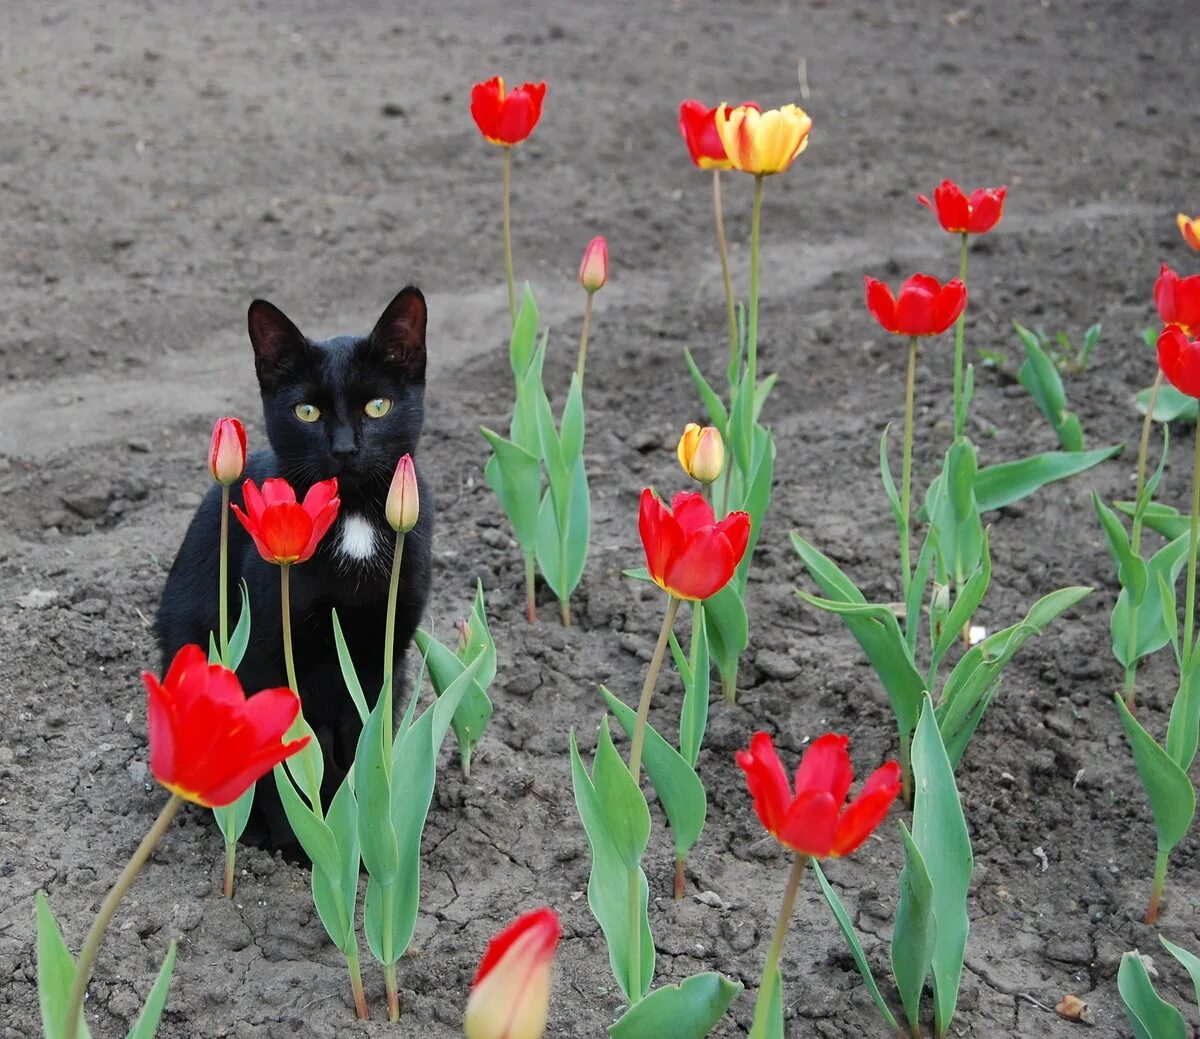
(163, 163)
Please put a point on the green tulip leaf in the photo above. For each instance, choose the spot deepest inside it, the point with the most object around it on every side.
(693, 715)
(967, 601)
(757, 498)
(1039, 375)
(626, 815)
(1183, 728)
(562, 548)
(445, 668)
(147, 1023)
(349, 675)
(842, 918)
(939, 831)
(1008, 482)
(55, 974)
(1149, 1015)
(524, 335)
(679, 788)
(232, 818)
(1138, 631)
(889, 484)
(239, 638)
(1171, 405)
(768, 1014)
(954, 514)
(336, 895)
(516, 477)
(689, 1010)
(1162, 519)
(1189, 960)
(728, 631)
(1131, 568)
(717, 415)
(914, 934)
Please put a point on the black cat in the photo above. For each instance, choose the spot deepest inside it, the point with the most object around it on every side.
(347, 407)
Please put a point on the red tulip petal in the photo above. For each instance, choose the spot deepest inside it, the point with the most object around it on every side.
(987, 206)
(229, 788)
(319, 495)
(736, 527)
(702, 567)
(914, 307)
(948, 304)
(285, 530)
(1165, 286)
(485, 105)
(255, 506)
(810, 824)
(321, 524)
(544, 922)
(766, 780)
(1179, 359)
(277, 491)
(953, 210)
(868, 809)
(252, 529)
(661, 536)
(881, 303)
(826, 766)
(926, 203)
(691, 512)
(161, 730)
(1187, 304)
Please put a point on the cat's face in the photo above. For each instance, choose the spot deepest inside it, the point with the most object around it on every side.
(347, 407)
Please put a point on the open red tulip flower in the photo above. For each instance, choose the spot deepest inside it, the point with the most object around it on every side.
(698, 125)
(506, 118)
(688, 553)
(1189, 227)
(959, 214)
(285, 530)
(924, 306)
(1178, 299)
(208, 741)
(1179, 359)
(813, 819)
(510, 996)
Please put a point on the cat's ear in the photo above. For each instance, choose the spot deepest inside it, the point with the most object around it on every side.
(399, 334)
(278, 344)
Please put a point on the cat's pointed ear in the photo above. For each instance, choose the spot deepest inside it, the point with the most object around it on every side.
(279, 346)
(399, 334)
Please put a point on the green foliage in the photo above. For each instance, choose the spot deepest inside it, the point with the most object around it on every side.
(728, 632)
(1058, 349)
(1171, 405)
(953, 513)
(999, 485)
(613, 813)
(1149, 1015)
(446, 667)
(914, 934)
(1040, 376)
(689, 1010)
(232, 818)
(694, 672)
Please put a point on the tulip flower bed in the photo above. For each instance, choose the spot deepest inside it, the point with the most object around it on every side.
(166, 179)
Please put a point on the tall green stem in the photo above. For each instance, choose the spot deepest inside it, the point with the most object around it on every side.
(766, 991)
(1189, 616)
(230, 864)
(581, 364)
(752, 333)
(639, 729)
(223, 579)
(389, 632)
(1135, 541)
(960, 327)
(306, 755)
(727, 280)
(910, 390)
(1144, 446)
(1156, 891)
(393, 992)
(508, 263)
(356, 984)
(87, 957)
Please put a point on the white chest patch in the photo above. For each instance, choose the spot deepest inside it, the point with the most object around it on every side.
(358, 538)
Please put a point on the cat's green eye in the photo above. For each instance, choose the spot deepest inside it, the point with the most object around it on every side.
(378, 407)
(307, 412)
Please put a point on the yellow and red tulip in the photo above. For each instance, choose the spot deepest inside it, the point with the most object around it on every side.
(227, 451)
(1189, 227)
(593, 270)
(506, 118)
(813, 819)
(698, 125)
(510, 996)
(701, 452)
(759, 142)
(959, 214)
(285, 531)
(208, 741)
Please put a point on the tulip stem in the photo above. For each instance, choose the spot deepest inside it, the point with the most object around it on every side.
(906, 472)
(735, 356)
(639, 728)
(680, 876)
(507, 210)
(91, 946)
(960, 326)
(393, 992)
(906, 768)
(1144, 446)
(286, 599)
(389, 632)
(1189, 616)
(223, 579)
(752, 334)
(766, 991)
(583, 338)
(530, 594)
(230, 864)
(1156, 890)
(356, 984)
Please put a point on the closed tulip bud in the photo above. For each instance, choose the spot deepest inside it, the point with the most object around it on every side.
(464, 636)
(510, 996)
(701, 452)
(227, 452)
(403, 500)
(593, 271)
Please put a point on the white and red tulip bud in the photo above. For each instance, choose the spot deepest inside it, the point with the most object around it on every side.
(701, 452)
(510, 996)
(404, 499)
(593, 271)
(227, 452)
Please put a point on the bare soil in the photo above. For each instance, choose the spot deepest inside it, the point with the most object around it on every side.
(161, 164)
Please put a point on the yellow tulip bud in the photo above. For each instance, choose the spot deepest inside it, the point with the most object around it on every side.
(701, 452)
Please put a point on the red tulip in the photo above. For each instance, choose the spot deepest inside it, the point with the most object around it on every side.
(813, 821)
(1178, 299)
(961, 215)
(284, 531)
(506, 118)
(208, 742)
(698, 126)
(925, 307)
(227, 451)
(1189, 227)
(593, 270)
(1179, 359)
(510, 996)
(688, 553)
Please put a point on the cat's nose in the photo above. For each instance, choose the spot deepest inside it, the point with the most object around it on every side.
(344, 443)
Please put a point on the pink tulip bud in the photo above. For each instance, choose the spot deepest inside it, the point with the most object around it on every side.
(593, 272)
(227, 452)
(510, 996)
(403, 500)
(464, 635)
